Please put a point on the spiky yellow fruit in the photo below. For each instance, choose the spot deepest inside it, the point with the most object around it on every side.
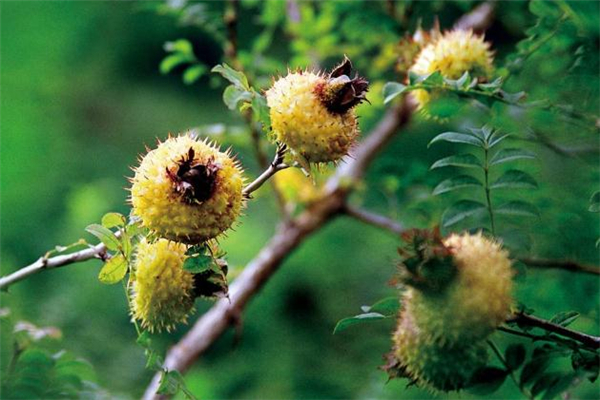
(453, 54)
(312, 113)
(187, 190)
(162, 293)
(459, 292)
(432, 364)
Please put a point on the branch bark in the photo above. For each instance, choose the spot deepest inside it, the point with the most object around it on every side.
(211, 325)
(558, 264)
(44, 263)
(376, 220)
(530, 320)
(289, 236)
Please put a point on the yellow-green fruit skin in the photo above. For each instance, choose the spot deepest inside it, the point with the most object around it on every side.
(434, 365)
(165, 211)
(453, 54)
(301, 121)
(440, 338)
(162, 290)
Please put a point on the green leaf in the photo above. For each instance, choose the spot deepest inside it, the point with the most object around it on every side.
(237, 78)
(357, 319)
(515, 179)
(387, 307)
(233, 95)
(558, 386)
(565, 318)
(197, 264)
(459, 160)
(169, 383)
(180, 46)
(144, 339)
(455, 183)
(113, 270)
(433, 79)
(487, 380)
(518, 208)
(534, 369)
(193, 73)
(514, 356)
(171, 61)
(105, 235)
(260, 110)
(496, 138)
(461, 210)
(391, 90)
(595, 202)
(112, 220)
(456, 137)
(586, 363)
(512, 98)
(505, 155)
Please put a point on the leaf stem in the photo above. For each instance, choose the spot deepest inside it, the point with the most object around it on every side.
(496, 351)
(488, 198)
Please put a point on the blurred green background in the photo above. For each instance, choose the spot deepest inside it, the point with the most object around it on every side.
(82, 95)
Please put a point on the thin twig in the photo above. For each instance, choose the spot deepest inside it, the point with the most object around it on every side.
(276, 165)
(392, 226)
(45, 263)
(376, 220)
(532, 321)
(231, 23)
(558, 264)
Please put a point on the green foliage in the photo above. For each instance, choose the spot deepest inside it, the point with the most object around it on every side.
(72, 99)
(35, 371)
(383, 309)
(485, 139)
(240, 95)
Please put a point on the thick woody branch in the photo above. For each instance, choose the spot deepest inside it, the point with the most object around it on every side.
(211, 325)
(45, 263)
(523, 319)
(289, 236)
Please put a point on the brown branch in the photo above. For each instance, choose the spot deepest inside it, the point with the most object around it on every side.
(392, 226)
(523, 319)
(45, 263)
(556, 264)
(276, 165)
(289, 236)
(230, 18)
(376, 220)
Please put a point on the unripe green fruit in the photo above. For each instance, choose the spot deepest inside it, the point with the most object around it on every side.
(433, 364)
(459, 292)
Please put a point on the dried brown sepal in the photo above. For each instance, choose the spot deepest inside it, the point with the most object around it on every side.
(339, 93)
(427, 263)
(193, 180)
